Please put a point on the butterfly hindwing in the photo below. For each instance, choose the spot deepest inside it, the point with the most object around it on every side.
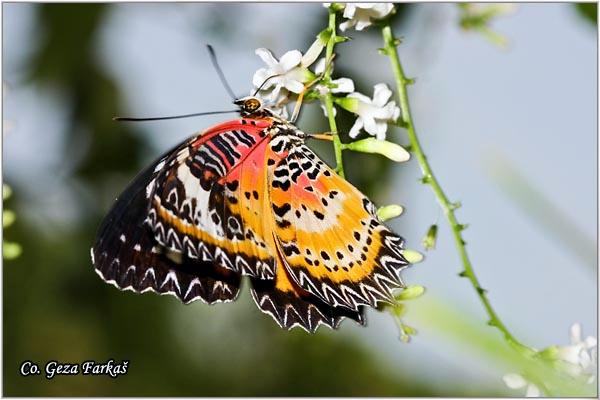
(126, 254)
(291, 306)
(333, 243)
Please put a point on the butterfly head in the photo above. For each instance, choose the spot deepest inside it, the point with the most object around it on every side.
(249, 106)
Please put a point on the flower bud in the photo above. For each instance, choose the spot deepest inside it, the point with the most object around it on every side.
(411, 292)
(390, 150)
(412, 256)
(430, 238)
(388, 212)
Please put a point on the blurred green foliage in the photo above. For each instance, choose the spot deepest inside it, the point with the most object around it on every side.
(589, 11)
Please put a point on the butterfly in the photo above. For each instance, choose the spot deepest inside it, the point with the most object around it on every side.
(248, 197)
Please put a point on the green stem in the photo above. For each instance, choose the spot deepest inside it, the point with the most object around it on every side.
(337, 144)
(429, 178)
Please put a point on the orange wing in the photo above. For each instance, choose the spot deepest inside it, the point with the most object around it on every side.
(333, 245)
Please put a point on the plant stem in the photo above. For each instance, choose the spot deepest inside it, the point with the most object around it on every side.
(337, 144)
(429, 178)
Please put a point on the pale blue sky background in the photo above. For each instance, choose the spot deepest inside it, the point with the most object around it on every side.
(533, 105)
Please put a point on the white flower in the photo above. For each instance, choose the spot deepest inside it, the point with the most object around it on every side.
(581, 354)
(285, 73)
(342, 85)
(360, 15)
(516, 381)
(373, 114)
(289, 73)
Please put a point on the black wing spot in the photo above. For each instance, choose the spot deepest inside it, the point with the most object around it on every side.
(233, 185)
(281, 211)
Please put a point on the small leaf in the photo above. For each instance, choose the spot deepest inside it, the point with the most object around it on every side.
(461, 227)
(324, 35)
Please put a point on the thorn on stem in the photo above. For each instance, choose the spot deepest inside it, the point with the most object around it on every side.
(461, 227)
(455, 205)
(481, 290)
(463, 274)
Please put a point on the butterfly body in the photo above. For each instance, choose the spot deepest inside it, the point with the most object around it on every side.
(249, 198)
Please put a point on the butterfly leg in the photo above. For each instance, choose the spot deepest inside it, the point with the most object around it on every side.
(307, 87)
(322, 136)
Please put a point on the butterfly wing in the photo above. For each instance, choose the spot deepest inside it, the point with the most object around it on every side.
(126, 254)
(333, 244)
(283, 299)
(205, 203)
(291, 306)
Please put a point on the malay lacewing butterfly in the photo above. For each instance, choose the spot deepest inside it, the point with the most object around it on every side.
(248, 197)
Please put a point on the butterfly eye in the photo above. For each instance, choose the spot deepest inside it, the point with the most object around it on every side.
(251, 104)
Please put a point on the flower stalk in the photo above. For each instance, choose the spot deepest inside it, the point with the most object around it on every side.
(328, 98)
(447, 206)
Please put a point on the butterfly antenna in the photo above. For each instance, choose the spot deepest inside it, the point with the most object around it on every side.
(173, 116)
(213, 58)
(263, 84)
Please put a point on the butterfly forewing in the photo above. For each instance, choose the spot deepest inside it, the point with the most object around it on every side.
(196, 207)
(334, 245)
